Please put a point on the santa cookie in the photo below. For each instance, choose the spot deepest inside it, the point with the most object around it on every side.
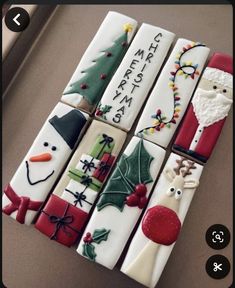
(100, 62)
(121, 202)
(208, 110)
(161, 224)
(78, 188)
(43, 163)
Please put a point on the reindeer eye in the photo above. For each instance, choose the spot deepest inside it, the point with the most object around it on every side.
(178, 194)
(170, 191)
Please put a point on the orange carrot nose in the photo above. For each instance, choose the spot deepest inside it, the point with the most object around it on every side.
(41, 158)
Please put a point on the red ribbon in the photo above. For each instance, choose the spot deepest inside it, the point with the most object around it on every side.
(22, 204)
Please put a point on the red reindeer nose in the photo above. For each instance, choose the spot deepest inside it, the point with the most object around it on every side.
(41, 158)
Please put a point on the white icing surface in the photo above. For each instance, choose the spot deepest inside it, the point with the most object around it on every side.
(162, 96)
(218, 76)
(122, 223)
(152, 42)
(75, 186)
(104, 38)
(210, 106)
(39, 170)
(90, 159)
(140, 240)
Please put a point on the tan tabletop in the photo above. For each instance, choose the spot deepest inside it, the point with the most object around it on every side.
(31, 260)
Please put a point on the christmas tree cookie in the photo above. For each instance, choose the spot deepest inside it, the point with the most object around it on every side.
(80, 184)
(43, 163)
(99, 62)
(122, 200)
(134, 77)
(162, 222)
(208, 110)
(171, 94)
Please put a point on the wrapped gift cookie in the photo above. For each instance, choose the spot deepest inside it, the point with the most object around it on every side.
(43, 163)
(134, 77)
(121, 202)
(208, 110)
(154, 239)
(99, 62)
(79, 186)
(171, 94)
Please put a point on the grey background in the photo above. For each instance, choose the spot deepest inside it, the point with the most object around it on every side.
(29, 258)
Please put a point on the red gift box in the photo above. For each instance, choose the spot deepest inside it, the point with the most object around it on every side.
(61, 221)
(104, 167)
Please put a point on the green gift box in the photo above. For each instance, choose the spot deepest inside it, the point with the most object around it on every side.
(103, 144)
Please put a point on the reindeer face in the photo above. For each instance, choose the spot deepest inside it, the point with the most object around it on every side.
(176, 187)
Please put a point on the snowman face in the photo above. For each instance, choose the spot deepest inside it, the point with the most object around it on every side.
(214, 86)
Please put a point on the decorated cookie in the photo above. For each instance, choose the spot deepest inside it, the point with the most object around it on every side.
(170, 97)
(85, 174)
(208, 110)
(123, 199)
(162, 222)
(99, 62)
(43, 163)
(134, 77)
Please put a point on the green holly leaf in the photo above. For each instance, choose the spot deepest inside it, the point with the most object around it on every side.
(106, 108)
(130, 171)
(138, 165)
(89, 251)
(100, 235)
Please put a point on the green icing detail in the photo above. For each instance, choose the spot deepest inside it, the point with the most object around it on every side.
(103, 65)
(98, 236)
(103, 144)
(101, 111)
(79, 176)
(130, 171)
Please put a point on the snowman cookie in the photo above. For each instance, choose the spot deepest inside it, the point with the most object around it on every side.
(43, 163)
(162, 222)
(208, 110)
(99, 62)
(80, 184)
(171, 94)
(134, 77)
(121, 202)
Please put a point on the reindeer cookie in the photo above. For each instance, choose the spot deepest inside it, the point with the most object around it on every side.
(162, 221)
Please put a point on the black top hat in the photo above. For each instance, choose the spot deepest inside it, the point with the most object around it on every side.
(69, 126)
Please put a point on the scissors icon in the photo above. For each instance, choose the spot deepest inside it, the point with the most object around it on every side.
(217, 267)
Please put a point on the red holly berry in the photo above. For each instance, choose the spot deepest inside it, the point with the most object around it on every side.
(143, 202)
(140, 190)
(88, 238)
(161, 225)
(132, 200)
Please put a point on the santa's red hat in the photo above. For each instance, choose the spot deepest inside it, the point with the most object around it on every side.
(220, 70)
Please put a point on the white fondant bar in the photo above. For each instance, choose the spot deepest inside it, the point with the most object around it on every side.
(133, 79)
(116, 212)
(111, 29)
(43, 163)
(145, 259)
(170, 96)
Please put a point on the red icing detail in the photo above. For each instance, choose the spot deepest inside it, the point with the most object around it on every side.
(56, 206)
(108, 54)
(20, 203)
(103, 76)
(140, 190)
(101, 173)
(173, 73)
(157, 128)
(45, 157)
(124, 44)
(159, 112)
(161, 225)
(177, 98)
(222, 62)
(132, 200)
(192, 76)
(83, 86)
(143, 202)
(173, 121)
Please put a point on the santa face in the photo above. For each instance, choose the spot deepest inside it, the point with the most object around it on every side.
(211, 102)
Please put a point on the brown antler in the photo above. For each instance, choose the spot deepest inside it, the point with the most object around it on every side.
(180, 165)
(189, 167)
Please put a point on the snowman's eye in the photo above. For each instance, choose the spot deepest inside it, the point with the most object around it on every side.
(178, 194)
(53, 148)
(214, 87)
(45, 144)
(224, 90)
(170, 191)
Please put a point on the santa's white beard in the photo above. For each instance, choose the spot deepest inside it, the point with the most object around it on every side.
(210, 107)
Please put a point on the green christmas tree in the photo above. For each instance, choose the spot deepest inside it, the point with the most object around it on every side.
(96, 78)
